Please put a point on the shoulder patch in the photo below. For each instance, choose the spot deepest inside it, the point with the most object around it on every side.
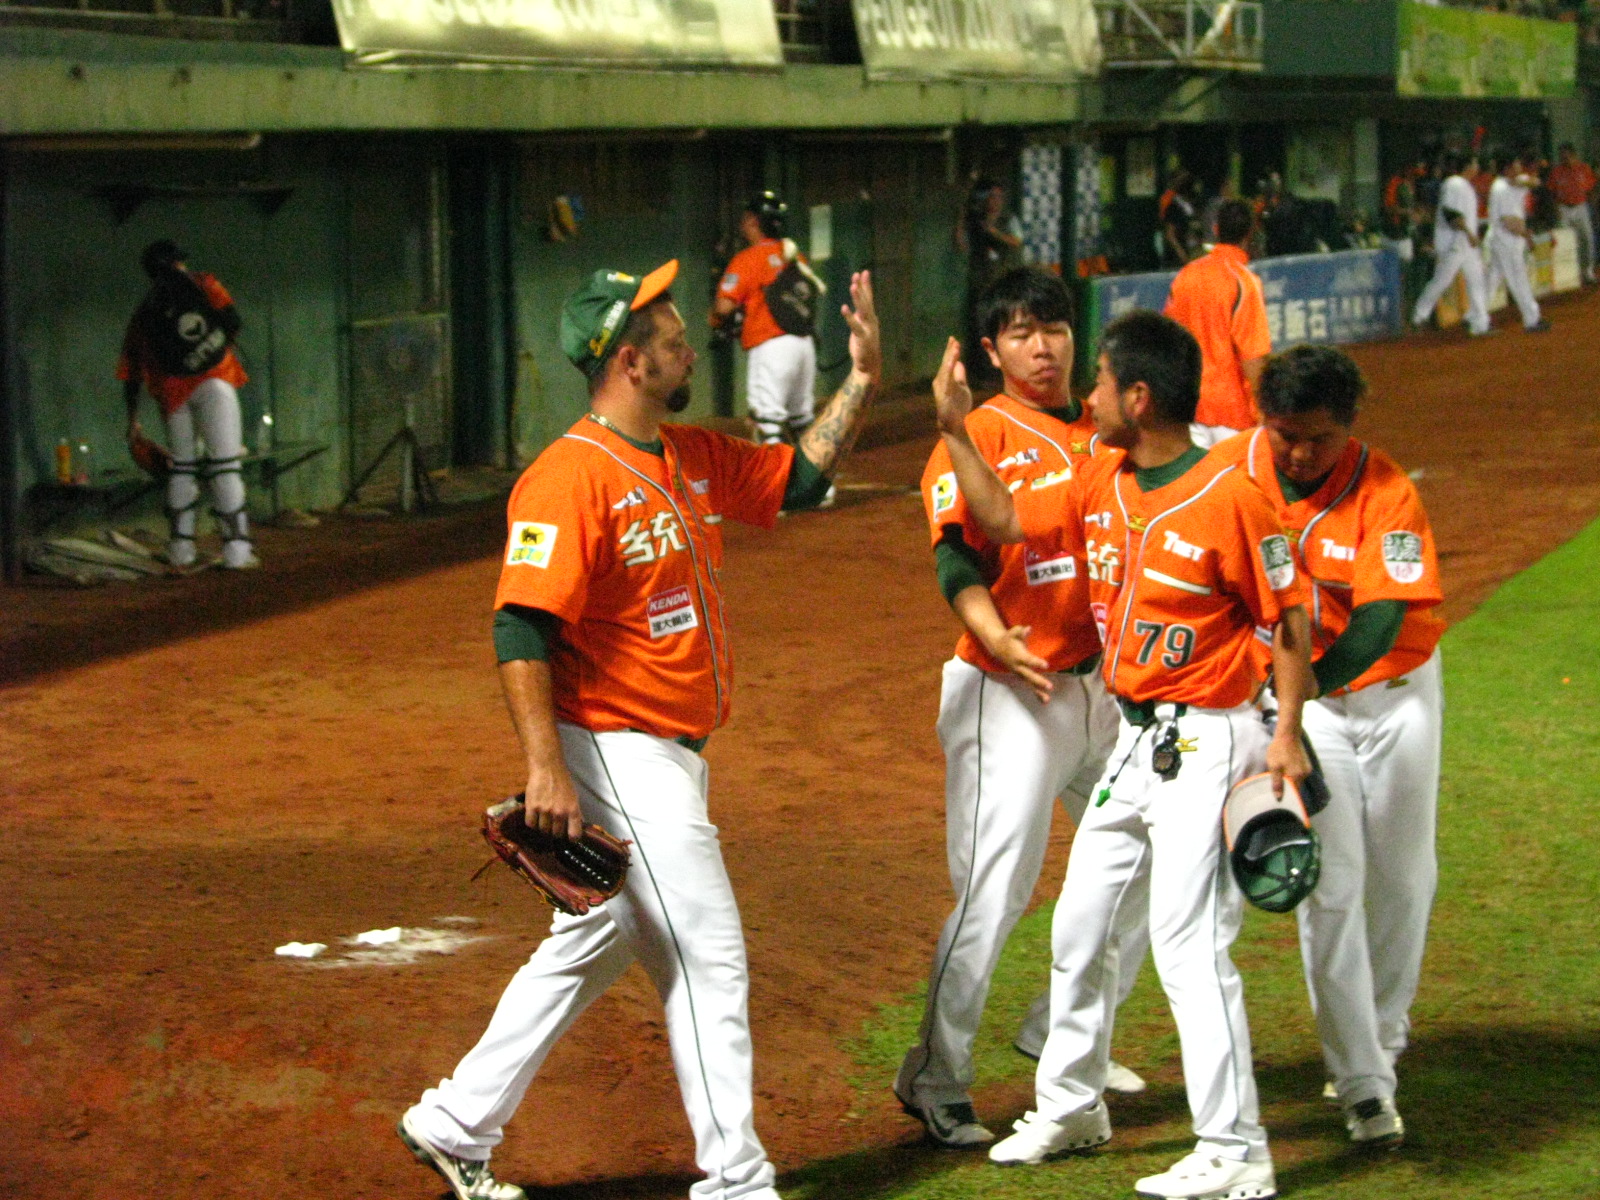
(530, 544)
(1402, 556)
(730, 281)
(945, 493)
(1277, 561)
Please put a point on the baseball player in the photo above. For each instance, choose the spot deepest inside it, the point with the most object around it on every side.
(782, 369)
(1023, 717)
(612, 638)
(179, 345)
(1455, 245)
(1572, 181)
(1186, 560)
(1363, 542)
(1508, 239)
(1219, 300)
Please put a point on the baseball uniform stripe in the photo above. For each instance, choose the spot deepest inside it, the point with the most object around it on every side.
(1198, 589)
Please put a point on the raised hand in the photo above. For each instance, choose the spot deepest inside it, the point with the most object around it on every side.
(952, 398)
(866, 350)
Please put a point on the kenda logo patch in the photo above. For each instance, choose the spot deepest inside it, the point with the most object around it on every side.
(1278, 562)
(531, 544)
(944, 493)
(671, 612)
(1402, 556)
(1049, 570)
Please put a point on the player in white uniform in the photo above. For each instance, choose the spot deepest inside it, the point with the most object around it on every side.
(1508, 239)
(1365, 545)
(1023, 717)
(1455, 246)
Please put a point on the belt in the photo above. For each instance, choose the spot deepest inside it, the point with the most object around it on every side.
(696, 744)
(1141, 713)
(1087, 667)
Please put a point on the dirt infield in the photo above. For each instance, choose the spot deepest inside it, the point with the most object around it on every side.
(307, 762)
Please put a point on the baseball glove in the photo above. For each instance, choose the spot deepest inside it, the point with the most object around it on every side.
(575, 876)
(153, 458)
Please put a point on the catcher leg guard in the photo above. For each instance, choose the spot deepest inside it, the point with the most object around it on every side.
(183, 498)
(227, 493)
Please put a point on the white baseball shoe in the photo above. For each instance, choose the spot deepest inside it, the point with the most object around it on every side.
(1118, 1077)
(953, 1126)
(468, 1178)
(1037, 1138)
(1375, 1124)
(1200, 1176)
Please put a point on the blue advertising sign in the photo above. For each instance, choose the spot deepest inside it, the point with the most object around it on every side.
(1346, 296)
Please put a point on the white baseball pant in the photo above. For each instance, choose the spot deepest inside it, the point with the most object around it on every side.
(780, 385)
(1153, 852)
(1363, 930)
(1508, 260)
(676, 917)
(209, 417)
(1007, 758)
(1459, 257)
(1577, 218)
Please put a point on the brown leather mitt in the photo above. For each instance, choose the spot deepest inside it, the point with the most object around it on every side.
(153, 458)
(575, 876)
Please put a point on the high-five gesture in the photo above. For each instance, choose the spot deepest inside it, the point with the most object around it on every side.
(952, 398)
(827, 441)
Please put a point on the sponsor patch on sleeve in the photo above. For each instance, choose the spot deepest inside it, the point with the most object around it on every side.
(671, 612)
(1402, 556)
(531, 544)
(944, 493)
(730, 282)
(1043, 570)
(1278, 561)
(1050, 480)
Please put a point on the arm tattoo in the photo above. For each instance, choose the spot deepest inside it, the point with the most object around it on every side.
(829, 440)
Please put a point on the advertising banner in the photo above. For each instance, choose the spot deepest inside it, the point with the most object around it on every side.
(1447, 51)
(1052, 40)
(1346, 296)
(697, 33)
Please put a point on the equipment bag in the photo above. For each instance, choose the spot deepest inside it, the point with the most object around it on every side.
(792, 297)
(182, 328)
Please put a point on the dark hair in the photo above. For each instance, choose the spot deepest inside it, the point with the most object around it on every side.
(160, 257)
(1146, 347)
(1453, 162)
(1565, 146)
(1023, 292)
(637, 331)
(1234, 221)
(1307, 378)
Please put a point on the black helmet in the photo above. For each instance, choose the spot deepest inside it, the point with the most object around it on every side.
(160, 257)
(769, 211)
(1275, 854)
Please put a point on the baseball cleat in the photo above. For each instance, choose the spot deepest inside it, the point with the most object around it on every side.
(1205, 1177)
(1121, 1079)
(1540, 326)
(953, 1126)
(1375, 1124)
(468, 1178)
(1037, 1138)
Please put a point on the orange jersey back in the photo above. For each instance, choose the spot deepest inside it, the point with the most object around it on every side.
(171, 391)
(743, 281)
(1182, 577)
(625, 547)
(1364, 536)
(1219, 300)
(1039, 583)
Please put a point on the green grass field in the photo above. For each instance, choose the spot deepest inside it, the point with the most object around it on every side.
(1501, 1086)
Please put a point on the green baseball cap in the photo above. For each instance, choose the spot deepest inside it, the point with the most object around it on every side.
(594, 315)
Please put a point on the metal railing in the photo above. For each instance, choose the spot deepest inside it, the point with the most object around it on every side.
(803, 29)
(1221, 34)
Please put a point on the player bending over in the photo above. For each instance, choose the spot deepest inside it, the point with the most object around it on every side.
(612, 641)
(1186, 559)
(1364, 544)
(1023, 716)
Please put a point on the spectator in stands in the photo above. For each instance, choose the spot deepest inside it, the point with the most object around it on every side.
(1176, 209)
(1573, 182)
(1219, 300)
(1455, 245)
(992, 239)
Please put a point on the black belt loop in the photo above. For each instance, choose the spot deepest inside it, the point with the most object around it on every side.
(1141, 713)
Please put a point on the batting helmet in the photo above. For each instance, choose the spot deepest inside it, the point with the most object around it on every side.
(769, 211)
(159, 257)
(1275, 854)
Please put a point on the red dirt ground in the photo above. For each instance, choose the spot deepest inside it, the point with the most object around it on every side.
(197, 771)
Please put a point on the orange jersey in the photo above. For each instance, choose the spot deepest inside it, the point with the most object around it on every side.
(1573, 184)
(743, 281)
(1364, 536)
(1182, 576)
(171, 391)
(1039, 583)
(1219, 300)
(624, 546)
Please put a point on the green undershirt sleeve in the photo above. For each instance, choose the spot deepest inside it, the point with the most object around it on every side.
(1369, 636)
(806, 487)
(957, 564)
(524, 634)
